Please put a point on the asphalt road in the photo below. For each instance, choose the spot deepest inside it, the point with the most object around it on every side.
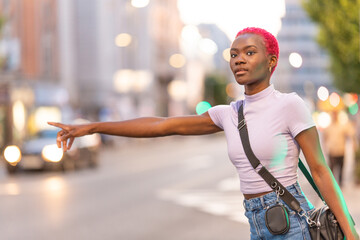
(174, 188)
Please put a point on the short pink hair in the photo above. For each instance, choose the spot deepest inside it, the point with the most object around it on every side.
(271, 44)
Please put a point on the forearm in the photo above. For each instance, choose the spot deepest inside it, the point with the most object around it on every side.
(334, 198)
(157, 126)
(324, 180)
(139, 127)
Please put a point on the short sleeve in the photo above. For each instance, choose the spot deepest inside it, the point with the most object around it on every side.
(297, 115)
(218, 113)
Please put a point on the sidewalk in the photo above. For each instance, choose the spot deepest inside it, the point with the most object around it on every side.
(352, 198)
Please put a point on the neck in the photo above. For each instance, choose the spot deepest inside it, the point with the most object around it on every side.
(252, 89)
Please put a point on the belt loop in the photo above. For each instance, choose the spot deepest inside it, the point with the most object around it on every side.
(298, 188)
(262, 202)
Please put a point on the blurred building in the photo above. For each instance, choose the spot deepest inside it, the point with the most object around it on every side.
(222, 41)
(115, 54)
(29, 66)
(62, 59)
(304, 74)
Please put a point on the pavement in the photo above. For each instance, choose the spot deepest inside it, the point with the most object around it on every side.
(352, 198)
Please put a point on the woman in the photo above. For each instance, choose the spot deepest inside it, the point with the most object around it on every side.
(278, 125)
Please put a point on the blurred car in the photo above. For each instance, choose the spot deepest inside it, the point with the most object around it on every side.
(41, 152)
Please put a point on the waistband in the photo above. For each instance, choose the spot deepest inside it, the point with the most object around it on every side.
(269, 199)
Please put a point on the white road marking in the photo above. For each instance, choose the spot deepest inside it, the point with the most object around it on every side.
(222, 201)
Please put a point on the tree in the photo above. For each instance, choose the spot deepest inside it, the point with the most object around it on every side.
(215, 85)
(339, 35)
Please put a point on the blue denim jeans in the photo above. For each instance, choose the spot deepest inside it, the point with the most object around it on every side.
(255, 209)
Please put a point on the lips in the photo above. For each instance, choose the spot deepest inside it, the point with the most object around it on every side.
(240, 71)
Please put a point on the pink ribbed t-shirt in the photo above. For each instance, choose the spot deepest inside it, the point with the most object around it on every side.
(273, 120)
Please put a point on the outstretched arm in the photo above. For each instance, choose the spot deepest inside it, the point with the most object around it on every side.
(324, 180)
(139, 128)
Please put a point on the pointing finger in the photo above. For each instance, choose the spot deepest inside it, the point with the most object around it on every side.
(56, 124)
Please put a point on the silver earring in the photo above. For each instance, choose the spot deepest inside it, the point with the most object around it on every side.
(269, 69)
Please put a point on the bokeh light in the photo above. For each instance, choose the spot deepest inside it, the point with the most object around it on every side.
(350, 99)
(295, 60)
(334, 99)
(190, 33)
(232, 90)
(177, 90)
(323, 120)
(52, 153)
(12, 154)
(141, 81)
(323, 93)
(123, 40)
(127, 80)
(202, 107)
(44, 114)
(353, 109)
(226, 54)
(139, 3)
(177, 60)
(208, 46)
(19, 113)
(122, 80)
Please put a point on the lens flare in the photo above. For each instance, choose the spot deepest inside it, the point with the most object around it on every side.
(202, 107)
(353, 109)
(280, 151)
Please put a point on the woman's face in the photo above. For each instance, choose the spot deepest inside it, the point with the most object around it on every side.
(249, 61)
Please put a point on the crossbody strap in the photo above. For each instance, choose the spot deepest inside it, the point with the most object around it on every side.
(284, 194)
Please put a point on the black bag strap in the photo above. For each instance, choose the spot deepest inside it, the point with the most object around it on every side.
(283, 193)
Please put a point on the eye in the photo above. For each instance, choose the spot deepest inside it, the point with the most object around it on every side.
(233, 55)
(250, 53)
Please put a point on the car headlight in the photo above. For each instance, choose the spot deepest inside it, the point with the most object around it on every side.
(12, 154)
(52, 153)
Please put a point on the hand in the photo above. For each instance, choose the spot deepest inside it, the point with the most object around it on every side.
(67, 134)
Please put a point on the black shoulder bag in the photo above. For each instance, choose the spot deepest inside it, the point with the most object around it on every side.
(322, 222)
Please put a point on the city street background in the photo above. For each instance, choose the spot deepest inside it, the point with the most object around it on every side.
(80, 61)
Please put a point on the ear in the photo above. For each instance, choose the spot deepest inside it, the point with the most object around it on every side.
(272, 61)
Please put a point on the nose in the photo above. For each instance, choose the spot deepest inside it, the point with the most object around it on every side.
(240, 59)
